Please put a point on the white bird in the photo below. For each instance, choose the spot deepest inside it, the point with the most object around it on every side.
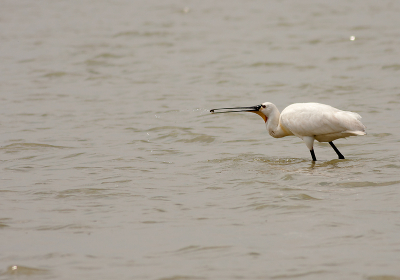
(308, 121)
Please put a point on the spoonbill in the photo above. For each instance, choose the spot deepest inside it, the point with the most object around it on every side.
(308, 121)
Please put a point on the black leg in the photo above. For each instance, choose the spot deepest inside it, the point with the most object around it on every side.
(313, 155)
(336, 150)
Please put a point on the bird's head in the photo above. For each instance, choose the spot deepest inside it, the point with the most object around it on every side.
(263, 110)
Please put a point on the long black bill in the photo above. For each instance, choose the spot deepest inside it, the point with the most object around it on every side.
(236, 109)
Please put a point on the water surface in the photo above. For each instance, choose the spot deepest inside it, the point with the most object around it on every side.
(112, 166)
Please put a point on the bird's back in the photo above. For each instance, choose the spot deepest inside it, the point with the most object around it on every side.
(315, 119)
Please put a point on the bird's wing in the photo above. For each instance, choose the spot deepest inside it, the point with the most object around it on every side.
(310, 119)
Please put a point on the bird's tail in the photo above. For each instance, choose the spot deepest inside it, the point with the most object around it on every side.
(355, 133)
(352, 122)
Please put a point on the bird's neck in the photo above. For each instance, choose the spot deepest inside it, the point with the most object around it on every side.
(274, 128)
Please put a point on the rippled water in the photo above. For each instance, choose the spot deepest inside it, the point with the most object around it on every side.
(112, 166)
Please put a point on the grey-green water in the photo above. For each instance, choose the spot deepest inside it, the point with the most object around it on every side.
(112, 166)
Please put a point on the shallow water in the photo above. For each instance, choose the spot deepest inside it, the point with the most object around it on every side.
(113, 167)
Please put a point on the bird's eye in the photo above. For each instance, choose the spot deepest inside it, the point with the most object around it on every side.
(263, 106)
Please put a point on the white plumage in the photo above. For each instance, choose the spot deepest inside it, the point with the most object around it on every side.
(308, 121)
